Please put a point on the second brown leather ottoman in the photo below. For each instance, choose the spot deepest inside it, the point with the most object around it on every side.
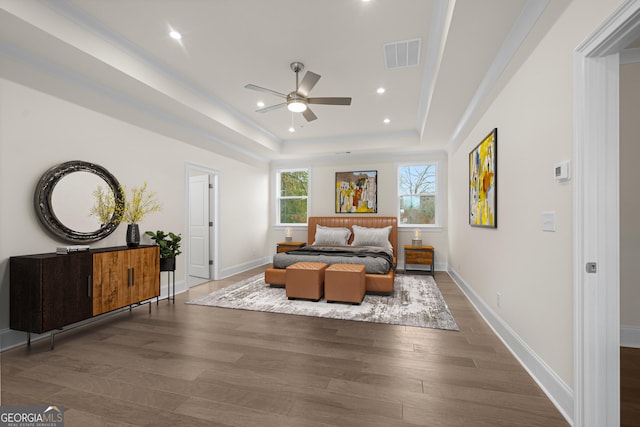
(305, 280)
(344, 283)
(276, 277)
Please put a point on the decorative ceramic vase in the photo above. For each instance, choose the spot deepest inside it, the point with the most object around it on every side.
(133, 235)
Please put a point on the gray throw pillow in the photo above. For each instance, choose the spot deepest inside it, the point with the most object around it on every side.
(332, 236)
(363, 236)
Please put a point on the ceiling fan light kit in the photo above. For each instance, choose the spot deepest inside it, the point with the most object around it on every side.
(298, 100)
(297, 106)
(296, 103)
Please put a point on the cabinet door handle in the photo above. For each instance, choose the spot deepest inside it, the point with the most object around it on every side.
(128, 277)
(90, 286)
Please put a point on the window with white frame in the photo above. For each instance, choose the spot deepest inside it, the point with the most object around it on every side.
(417, 193)
(292, 196)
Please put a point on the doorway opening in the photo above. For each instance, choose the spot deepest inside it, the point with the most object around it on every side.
(202, 224)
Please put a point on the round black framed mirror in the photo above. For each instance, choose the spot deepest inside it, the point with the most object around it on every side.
(61, 225)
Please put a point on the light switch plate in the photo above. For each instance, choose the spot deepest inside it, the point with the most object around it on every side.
(548, 221)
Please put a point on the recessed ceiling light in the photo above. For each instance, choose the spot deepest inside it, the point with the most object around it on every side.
(175, 35)
(380, 90)
(260, 104)
(386, 121)
(292, 129)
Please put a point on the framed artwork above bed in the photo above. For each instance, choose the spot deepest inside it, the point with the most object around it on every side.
(357, 192)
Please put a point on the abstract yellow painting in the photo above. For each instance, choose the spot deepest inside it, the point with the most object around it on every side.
(483, 161)
(357, 192)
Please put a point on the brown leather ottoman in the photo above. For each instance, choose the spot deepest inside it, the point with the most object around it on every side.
(275, 277)
(305, 280)
(344, 283)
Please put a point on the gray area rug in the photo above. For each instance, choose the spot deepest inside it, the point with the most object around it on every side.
(416, 301)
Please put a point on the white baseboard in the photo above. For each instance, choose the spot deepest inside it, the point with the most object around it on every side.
(10, 338)
(553, 386)
(181, 286)
(630, 336)
(239, 268)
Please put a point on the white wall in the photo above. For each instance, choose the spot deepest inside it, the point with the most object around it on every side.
(629, 205)
(531, 269)
(39, 131)
(322, 195)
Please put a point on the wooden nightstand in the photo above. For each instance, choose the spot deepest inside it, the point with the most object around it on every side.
(419, 255)
(289, 246)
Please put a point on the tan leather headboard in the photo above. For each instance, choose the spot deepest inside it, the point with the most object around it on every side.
(348, 221)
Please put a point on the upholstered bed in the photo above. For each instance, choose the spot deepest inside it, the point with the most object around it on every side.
(379, 262)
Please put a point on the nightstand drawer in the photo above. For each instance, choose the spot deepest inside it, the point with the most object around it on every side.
(289, 246)
(419, 257)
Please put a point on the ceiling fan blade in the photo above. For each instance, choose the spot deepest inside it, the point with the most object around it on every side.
(308, 114)
(272, 107)
(330, 101)
(308, 82)
(264, 89)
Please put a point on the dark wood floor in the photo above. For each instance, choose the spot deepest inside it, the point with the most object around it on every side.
(629, 387)
(185, 365)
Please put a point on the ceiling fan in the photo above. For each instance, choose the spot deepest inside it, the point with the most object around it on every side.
(298, 100)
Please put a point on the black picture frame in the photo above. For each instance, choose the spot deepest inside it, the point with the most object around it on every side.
(483, 182)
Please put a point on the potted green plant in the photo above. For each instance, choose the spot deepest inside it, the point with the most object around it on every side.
(169, 248)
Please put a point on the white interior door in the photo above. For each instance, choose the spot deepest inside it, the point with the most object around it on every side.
(199, 242)
(597, 219)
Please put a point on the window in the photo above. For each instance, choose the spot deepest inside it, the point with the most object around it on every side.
(417, 194)
(292, 191)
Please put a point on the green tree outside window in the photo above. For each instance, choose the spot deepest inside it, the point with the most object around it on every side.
(292, 196)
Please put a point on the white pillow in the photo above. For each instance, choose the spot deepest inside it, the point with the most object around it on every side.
(332, 236)
(363, 236)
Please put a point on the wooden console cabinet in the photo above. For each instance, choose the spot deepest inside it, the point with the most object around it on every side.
(122, 278)
(50, 291)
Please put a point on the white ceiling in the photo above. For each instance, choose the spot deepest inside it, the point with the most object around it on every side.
(116, 57)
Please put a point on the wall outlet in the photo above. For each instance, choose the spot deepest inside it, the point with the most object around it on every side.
(498, 299)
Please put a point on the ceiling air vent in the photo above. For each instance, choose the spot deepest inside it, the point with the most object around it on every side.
(402, 54)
